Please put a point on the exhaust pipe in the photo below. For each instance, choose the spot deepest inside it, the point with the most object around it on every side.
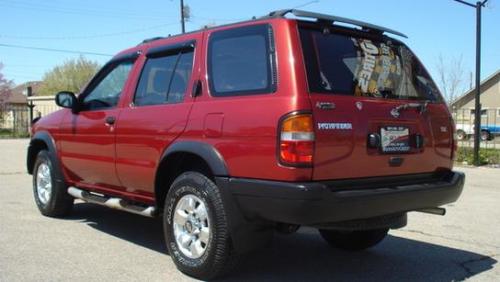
(436, 211)
(285, 228)
(114, 203)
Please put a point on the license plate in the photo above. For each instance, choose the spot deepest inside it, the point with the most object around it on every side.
(395, 139)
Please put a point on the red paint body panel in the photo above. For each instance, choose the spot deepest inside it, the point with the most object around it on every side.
(123, 159)
(249, 137)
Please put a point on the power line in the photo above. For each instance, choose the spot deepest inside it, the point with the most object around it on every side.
(76, 8)
(54, 50)
(85, 36)
(57, 9)
(243, 19)
(22, 66)
(10, 73)
(305, 4)
(219, 19)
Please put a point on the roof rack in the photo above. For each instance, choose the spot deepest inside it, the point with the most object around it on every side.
(151, 39)
(333, 19)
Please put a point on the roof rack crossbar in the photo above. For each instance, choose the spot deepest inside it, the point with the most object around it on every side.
(332, 19)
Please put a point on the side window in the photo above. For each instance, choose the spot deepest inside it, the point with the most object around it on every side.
(106, 93)
(241, 61)
(164, 79)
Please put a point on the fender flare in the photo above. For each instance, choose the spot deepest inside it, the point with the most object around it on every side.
(245, 235)
(47, 139)
(206, 151)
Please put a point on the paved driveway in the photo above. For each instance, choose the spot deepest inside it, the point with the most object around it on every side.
(99, 244)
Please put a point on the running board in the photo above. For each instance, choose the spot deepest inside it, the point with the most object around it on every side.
(110, 202)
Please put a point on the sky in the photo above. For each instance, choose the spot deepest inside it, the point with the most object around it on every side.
(100, 29)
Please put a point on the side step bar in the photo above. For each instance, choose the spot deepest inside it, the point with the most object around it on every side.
(110, 202)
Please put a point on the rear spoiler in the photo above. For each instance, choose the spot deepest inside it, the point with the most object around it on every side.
(332, 19)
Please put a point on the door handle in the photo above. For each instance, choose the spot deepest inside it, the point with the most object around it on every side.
(110, 120)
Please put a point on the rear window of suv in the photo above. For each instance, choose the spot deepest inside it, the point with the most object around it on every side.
(347, 65)
(241, 61)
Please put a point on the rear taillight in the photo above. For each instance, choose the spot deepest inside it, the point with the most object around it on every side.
(296, 140)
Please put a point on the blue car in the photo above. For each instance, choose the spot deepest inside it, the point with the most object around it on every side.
(488, 131)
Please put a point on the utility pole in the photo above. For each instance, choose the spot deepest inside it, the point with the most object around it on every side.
(29, 93)
(182, 17)
(477, 114)
(477, 107)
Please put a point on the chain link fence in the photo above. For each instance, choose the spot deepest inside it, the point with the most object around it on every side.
(489, 152)
(14, 121)
(490, 128)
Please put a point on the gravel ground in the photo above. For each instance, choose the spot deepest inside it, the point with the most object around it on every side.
(99, 244)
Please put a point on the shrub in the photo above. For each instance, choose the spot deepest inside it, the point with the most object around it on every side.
(486, 155)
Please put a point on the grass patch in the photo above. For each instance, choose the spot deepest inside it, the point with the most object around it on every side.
(5, 132)
(8, 133)
(486, 155)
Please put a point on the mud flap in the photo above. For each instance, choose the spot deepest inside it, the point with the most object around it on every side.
(245, 235)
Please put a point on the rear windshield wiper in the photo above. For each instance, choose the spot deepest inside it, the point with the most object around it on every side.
(422, 107)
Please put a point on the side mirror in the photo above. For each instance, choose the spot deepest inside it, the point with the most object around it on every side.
(67, 99)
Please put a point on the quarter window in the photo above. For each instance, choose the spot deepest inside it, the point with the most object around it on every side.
(241, 61)
(164, 79)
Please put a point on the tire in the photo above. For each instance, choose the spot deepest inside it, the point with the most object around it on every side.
(195, 228)
(353, 240)
(461, 135)
(485, 135)
(51, 196)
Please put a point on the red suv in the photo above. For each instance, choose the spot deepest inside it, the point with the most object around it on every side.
(233, 132)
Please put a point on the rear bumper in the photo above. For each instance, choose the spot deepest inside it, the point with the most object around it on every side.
(314, 203)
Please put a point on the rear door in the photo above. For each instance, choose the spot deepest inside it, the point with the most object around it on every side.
(376, 110)
(157, 112)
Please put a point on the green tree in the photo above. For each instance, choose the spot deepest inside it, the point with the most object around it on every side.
(5, 92)
(72, 75)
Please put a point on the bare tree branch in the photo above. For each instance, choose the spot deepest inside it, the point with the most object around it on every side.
(451, 77)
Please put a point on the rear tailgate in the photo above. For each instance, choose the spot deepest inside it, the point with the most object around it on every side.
(376, 110)
(342, 139)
